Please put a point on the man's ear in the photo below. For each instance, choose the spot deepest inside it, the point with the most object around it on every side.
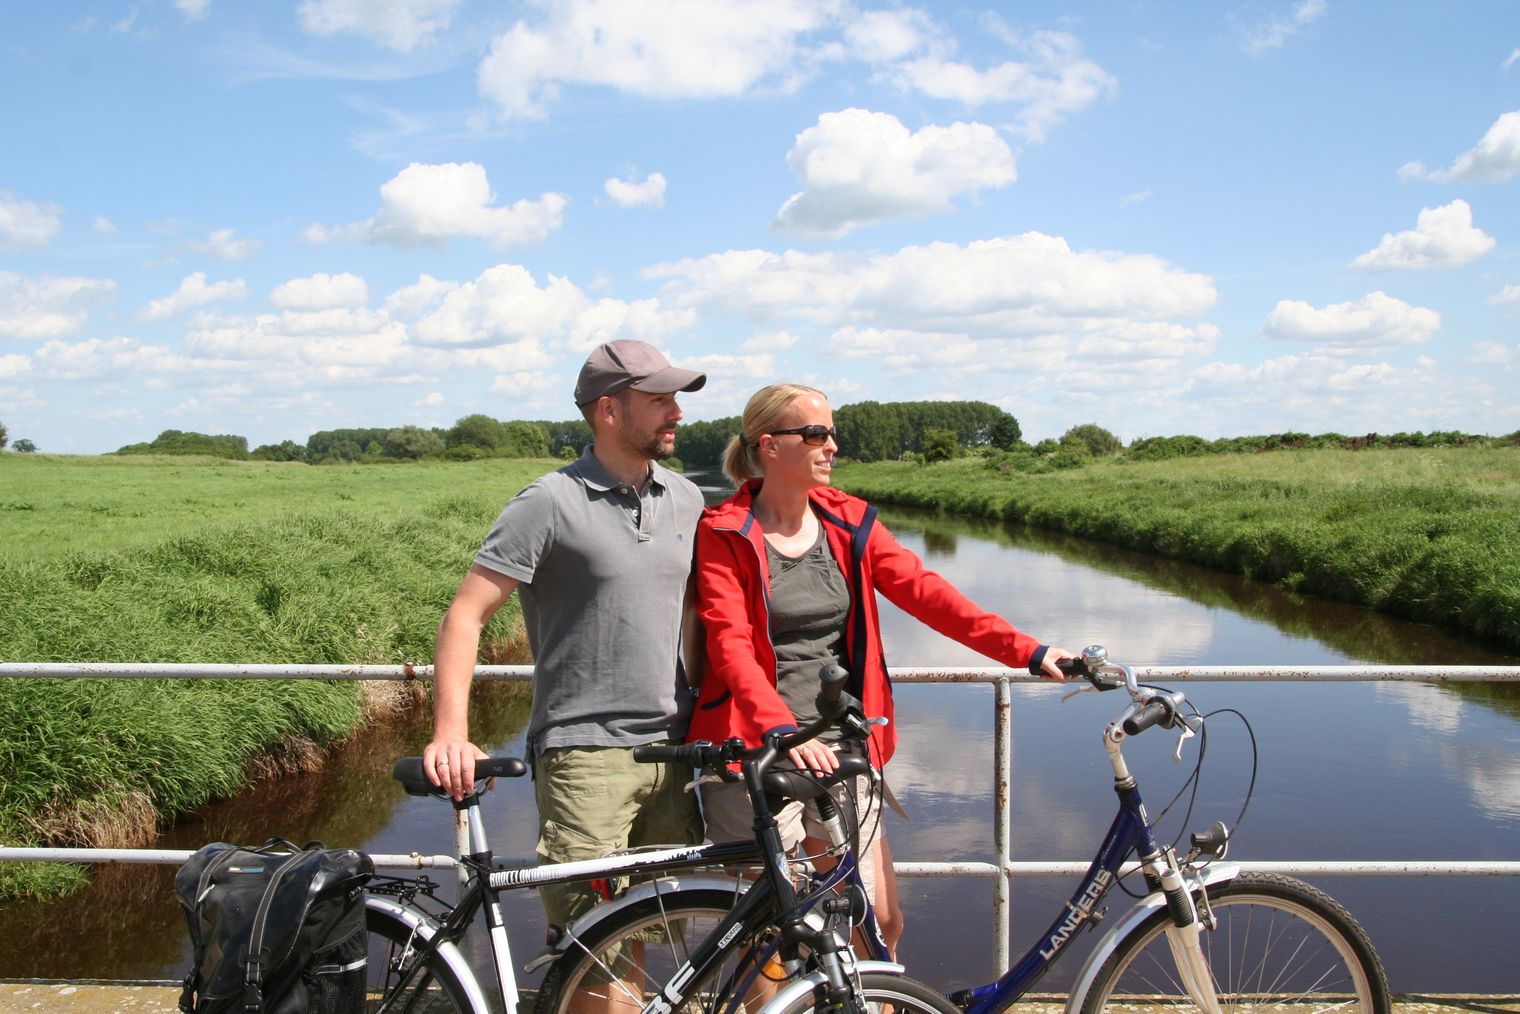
(607, 408)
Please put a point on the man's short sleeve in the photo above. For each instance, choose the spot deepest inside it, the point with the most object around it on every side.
(522, 535)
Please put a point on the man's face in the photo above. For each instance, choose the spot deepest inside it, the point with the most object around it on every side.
(647, 423)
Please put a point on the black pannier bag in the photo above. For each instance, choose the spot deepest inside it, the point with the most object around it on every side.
(275, 929)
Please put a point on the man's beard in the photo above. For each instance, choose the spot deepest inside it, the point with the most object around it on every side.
(651, 446)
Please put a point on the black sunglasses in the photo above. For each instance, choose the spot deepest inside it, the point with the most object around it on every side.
(814, 435)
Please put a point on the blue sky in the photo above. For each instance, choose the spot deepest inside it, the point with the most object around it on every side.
(1213, 218)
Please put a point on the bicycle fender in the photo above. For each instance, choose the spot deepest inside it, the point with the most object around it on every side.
(1216, 873)
(798, 988)
(635, 894)
(425, 926)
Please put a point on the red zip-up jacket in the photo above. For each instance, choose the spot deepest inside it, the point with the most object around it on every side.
(739, 696)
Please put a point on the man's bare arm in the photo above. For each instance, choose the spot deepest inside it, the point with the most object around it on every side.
(449, 760)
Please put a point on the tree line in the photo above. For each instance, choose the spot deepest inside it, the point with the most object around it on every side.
(868, 431)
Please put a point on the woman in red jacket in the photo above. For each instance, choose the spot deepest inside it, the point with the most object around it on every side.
(786, 568)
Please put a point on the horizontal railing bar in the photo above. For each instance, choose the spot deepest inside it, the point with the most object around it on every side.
(914, 674)
(1335, 868)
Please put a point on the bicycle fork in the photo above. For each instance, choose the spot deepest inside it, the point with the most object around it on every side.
(1185, 934)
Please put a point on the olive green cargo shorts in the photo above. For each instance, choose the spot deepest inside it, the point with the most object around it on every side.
(596, 800)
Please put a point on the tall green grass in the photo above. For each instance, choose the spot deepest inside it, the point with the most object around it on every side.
(1428, 535)
(322, 572)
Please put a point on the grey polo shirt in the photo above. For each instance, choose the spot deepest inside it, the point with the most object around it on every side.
(603, 575)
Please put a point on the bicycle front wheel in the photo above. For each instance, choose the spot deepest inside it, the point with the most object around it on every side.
(626, 959)
(884, 992)
(1279, 945)
(394, 980)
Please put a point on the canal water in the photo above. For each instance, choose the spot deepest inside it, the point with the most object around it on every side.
(1388, 771)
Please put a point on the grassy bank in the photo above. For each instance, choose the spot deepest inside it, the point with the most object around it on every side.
(1430, 535)
(190, 560)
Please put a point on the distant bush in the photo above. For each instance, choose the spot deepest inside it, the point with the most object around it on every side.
(181, 442)
(409, 443)
(940, 445)
(1160, 448)
(285, 450)
(1098, 441)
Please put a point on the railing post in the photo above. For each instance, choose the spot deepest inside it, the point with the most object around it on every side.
(1002, 825)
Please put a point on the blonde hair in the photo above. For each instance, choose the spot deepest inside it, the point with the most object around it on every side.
(766, 411)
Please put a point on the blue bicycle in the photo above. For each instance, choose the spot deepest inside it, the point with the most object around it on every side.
(1203, 937)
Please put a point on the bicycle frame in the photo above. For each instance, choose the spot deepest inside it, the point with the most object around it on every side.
(482, 887)
(1130, 831)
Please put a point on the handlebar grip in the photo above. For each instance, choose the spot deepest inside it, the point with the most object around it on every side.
(655, 753)
(1073, 666)
(1153, 712)
(831, 681)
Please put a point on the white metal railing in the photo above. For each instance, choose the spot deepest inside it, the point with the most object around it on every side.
(1001, 679)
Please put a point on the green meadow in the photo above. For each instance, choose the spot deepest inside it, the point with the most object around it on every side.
(199, 560)
(1428, 534)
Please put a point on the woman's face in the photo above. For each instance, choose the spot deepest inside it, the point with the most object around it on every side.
(788, 457)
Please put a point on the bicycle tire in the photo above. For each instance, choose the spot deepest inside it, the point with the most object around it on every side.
(1279, 945)
(884, 990)
(630, 956)
(433, 990)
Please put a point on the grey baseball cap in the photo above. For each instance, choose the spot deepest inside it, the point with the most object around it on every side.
(624, 364)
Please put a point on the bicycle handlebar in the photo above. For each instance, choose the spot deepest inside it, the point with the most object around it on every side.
(831, 702)
(1156, 711)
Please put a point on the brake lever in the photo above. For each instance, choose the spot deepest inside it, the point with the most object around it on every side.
(1187, 733)
(1079, 690)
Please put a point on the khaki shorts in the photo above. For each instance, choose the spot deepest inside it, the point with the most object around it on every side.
(727, 812)
(596, 800)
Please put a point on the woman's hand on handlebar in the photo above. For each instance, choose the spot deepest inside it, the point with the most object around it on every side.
(814, 756)
(1049, 667)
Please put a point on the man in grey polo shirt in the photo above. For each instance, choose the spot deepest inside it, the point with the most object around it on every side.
(600, 553)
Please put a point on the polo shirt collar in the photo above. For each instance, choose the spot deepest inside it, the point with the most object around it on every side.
(594, 474)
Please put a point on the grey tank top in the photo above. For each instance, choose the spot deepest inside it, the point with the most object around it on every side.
(809, 605)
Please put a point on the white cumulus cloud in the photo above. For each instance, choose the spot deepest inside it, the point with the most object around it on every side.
(632, 194)
(1510, 294)
(426, 205)
(1494, 354)
(653, 48)
(1495, 158)
(102, 357)
(1026, 285)
(1052, 81)
(224, 245)
(191, 292)
(1273, 33)
(194, 10)
(401, 25)
(321, 292)
(858, 167)
(36, 309)
(13, 366)
(26, 224)
(505, 305)
(885, 36)
(1443, 237)
(1376, 321)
